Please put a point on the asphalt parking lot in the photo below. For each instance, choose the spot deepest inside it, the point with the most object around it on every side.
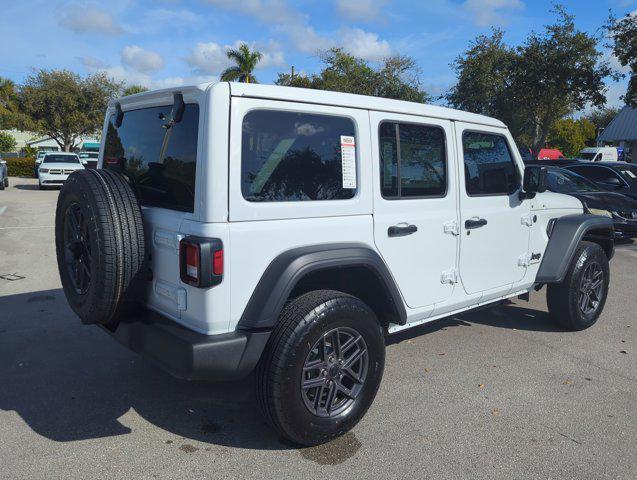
(499, 393)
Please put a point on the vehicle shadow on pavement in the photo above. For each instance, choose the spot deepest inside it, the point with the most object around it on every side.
(72, 382)
(26, 186)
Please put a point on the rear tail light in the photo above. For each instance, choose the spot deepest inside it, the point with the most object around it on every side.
(201, 261)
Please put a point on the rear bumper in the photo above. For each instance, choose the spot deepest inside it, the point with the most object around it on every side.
(190, 355)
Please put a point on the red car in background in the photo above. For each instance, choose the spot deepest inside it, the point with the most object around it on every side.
(545, 154)
(550, 154)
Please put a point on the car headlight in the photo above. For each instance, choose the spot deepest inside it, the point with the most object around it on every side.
(44, 170)
(599, 211)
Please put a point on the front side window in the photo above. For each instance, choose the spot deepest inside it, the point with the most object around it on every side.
(158, 157)
(597, 174)
(412, 160)
(563, 181)
(290, 156)
(488, 165)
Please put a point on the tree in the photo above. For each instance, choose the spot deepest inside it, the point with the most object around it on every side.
(557, 73)
(8, 104)
(246, 61)
(133, 89)
(552, 74)
(601, 117)
(396, 77)
(64, 106)
(624, 36)
(571, 136)
(7, 142)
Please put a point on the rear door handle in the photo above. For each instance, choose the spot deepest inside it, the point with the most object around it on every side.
(401, 230)
(475, 222)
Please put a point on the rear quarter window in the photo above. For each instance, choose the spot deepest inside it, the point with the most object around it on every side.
(290, 156)
(159, 159)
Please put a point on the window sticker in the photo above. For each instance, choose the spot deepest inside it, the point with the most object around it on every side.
(348, 161)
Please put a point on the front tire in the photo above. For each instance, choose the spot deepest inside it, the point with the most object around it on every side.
(321, 368)
(577, 302)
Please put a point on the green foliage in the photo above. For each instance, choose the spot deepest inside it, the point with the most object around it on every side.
(552, 74)
(246, 61)
(571, 136)
(397, 77)
(20, 167)
(133, 89)
(7, 142)
(9, 113)
(623, 32)
(64, 106)
(601, 117)
(30, 151)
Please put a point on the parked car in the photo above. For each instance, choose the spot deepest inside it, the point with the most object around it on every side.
(550, 154)
(599, 154)
(287, 231)
(616, 176)
(56, 168)
(621, 208)
(89, 159)
(4, 174)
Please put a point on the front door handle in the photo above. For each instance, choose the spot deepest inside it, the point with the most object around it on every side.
(475, 222)
(401, 230)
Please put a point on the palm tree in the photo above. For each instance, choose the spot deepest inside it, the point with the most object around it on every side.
(245, 61)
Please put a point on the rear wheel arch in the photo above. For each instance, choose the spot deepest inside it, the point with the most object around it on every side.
(351, 268)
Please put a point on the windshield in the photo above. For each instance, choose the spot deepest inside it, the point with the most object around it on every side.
(628, 173)
(562, 181)
(61, 159)
(587, 155)
(89, 155)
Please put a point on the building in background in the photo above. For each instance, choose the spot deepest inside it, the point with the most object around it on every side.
(622, 132)
(34, 140)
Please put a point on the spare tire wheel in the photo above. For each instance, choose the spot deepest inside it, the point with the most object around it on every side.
(100, 246)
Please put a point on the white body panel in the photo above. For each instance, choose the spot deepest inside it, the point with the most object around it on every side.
(255, 233)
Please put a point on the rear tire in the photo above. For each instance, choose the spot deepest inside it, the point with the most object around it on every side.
(577, 302)
(302, 352)
(100, 246)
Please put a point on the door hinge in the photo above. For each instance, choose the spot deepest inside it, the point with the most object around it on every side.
(452, 228)
(449, 276)
(527, 220)
(524, 260)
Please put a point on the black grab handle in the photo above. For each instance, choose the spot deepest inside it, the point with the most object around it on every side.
(475, 223)
(401, 231)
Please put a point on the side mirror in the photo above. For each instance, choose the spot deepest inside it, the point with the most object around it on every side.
(535, 180)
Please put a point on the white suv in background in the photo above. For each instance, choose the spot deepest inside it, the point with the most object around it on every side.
(238, 227)
(56, 167)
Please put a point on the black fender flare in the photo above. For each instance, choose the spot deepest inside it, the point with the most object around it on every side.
(283, 273)
(568, 231)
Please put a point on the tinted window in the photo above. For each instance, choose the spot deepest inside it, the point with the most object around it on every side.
(158, 158)
(597, 174)
(61, 159)
(488, 165)
(563, 181)
(412, 160)
(629, 173)
(288, 156)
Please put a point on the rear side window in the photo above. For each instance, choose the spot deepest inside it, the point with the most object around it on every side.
(158, 158)
(413, 160)
(488, 165)
(289, 156)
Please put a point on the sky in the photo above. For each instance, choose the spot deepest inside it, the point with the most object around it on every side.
(165, 43)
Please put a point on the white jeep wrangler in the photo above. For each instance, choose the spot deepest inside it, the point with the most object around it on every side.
(234, 227)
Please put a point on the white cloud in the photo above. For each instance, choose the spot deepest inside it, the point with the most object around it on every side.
(363, 10)
(490, 12)
(88, 19)
(210, 58)
(305, 39)
(92, 63)
(365, 45)
(140, 60)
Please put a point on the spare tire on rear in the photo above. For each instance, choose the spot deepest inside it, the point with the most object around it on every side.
(100, 246)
